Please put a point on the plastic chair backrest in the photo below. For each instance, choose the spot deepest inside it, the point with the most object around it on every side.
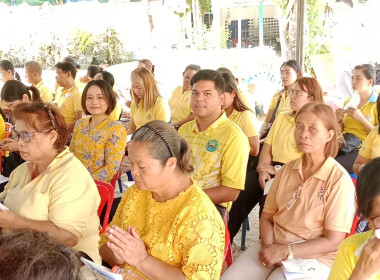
(356, 221)
(106, 192)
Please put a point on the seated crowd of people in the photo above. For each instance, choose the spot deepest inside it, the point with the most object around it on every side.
(199, 165)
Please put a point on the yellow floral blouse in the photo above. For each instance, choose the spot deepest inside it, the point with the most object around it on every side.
(101, 149)
(186, 231)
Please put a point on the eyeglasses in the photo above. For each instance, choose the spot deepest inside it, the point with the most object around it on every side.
(375, 221)
(25, 136)
(298, 93)
(295, 197)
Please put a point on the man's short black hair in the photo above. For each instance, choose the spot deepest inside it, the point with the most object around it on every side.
(67, 67)
(209, 75)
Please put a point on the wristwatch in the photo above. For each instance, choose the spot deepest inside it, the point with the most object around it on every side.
(290, 252)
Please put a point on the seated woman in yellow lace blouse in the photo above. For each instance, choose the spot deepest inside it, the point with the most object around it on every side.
(165, 227)
(98, 141)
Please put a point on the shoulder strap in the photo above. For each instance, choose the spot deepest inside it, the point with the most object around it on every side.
(275, 109)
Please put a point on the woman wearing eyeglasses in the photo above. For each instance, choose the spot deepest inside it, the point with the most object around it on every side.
(279, 148)
(52, 191)
(351, 262)
(310, 206)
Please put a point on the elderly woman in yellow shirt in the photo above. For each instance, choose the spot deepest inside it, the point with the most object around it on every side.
(52, 191)
(98, 141)
(147, 104)
(310, 206)
(179, 102)
(358, 120)
(165, 227)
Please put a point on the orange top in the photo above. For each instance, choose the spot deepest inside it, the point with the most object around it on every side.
(326, 201)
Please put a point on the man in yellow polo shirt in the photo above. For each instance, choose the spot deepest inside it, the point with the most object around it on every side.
(68, 97)
(219, 147)
(33, 72)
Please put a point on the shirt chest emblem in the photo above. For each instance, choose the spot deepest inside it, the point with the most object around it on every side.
(212, 145)
(67, 95)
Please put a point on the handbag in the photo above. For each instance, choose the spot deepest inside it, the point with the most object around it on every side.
(266, 131)
(351, 142)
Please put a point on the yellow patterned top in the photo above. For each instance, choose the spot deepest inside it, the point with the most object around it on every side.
(186, 231)
(101, 149)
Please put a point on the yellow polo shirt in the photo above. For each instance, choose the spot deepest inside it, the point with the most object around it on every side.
(281, 138)
(346, 260)
(369, 111)
(245, 121)
(159, 111)
(45, 93)
(69, 102)
(115, 114)
(326, 201)
(371, 145)
(2, 129)
(64, 194)
(219, 153)
(179, 104)
(284, 105)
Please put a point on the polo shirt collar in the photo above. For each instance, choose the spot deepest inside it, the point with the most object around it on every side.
(212, 127)
(69, 89)
(373, 97)
(322, 173)
(39, 84)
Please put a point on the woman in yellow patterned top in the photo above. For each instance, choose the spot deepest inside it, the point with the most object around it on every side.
(98, 141)
(165, 227)
(147, 104)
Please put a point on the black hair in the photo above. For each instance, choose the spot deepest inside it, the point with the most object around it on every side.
(7, 65)
(194, 67)
(66, 66)
(108, 77)
(368, 187)
(230, 86)
(92, 70)
(295, 65)
(14, 90)
(209, 75)
(223, 70)
(164, 142)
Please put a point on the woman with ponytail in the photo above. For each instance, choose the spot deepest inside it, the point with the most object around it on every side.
(165, 226)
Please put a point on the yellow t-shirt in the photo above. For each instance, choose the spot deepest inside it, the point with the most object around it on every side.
(326, 201)
(371, 145)
(69, 102)
(64, 194)
(284, 105)
(369, 111)
(186, 232)
(179, 104)
(115, 114)
(2, 128)
(159, 111)
(101, 149)
(281, 138)
(219, 153)
(245, 121)
(45, 93)
(346, 260)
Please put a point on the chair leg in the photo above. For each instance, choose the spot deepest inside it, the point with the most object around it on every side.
(244, 233)
(120, 185)
(248, 227)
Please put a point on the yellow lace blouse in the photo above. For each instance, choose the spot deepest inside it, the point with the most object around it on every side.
(101, 149)
(186, 231)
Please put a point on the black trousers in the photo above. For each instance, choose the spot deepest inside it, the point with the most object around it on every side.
(246, 200)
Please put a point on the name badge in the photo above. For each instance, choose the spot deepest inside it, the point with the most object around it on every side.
(67, 95)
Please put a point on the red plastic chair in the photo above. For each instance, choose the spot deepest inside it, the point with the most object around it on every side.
(106, 192)
(356, 221)
(227, 249)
